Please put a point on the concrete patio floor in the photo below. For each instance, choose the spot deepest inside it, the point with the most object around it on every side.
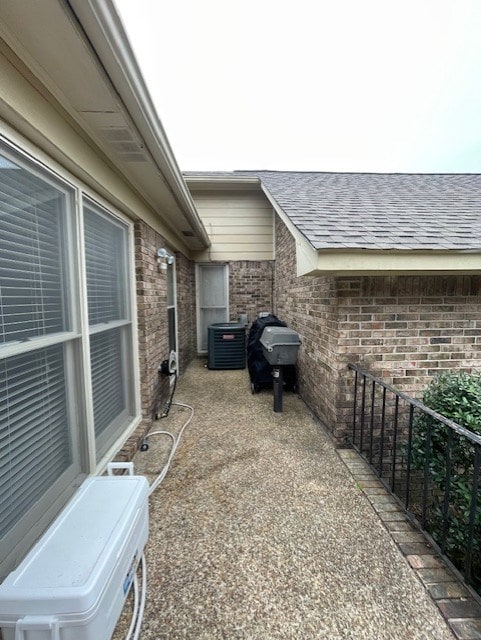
(260, 531)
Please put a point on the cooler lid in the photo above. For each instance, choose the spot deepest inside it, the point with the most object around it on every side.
(66, 571)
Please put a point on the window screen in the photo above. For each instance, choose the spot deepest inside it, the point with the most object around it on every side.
(32, 260)
(171, 307)
(35, 444)
(106, 266)
(213, 299)
(37, 455)
(107, 378)
(105, 259)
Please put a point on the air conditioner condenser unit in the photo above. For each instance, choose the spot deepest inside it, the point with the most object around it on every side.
(73, 583)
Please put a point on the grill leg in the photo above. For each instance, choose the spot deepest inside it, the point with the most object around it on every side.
(278, 382)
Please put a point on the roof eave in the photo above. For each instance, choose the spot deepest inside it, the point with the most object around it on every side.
(104, 29)
(342, 262)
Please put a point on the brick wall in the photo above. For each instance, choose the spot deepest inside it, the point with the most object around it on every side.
(309, 306)
(250, 288)
(408, 328)
(151, 285)
(405, 328)
(186, 321)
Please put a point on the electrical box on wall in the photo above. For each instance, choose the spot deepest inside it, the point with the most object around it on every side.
(73, 583)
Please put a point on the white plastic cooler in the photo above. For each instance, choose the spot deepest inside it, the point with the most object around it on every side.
(73, 583)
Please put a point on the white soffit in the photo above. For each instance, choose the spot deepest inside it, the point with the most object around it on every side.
(92, 87)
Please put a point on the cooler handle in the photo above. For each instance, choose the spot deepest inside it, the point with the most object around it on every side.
(37, 623)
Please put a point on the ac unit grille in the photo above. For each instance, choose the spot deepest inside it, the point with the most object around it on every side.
(226, 346)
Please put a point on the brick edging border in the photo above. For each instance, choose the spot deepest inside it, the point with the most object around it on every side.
(458, 606)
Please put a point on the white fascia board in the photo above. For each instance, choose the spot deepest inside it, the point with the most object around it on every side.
(408, 262)
(222, 183)
(103, 27)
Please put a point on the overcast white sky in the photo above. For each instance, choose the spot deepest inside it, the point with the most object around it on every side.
(322, 85)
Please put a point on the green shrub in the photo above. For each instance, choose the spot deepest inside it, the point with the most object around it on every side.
(456, 396)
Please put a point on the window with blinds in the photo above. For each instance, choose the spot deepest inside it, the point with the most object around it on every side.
(107, 378)
(35, 446)
(37, 452)
(106, 260)
(171, 307)
(32, 255)
(66, 393)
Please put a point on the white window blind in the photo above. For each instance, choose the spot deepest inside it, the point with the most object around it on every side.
(34, 441)
(106, 261)
(107, 378)
(36, 451)
(32, 262)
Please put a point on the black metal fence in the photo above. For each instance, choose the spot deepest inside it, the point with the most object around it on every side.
(431, 464)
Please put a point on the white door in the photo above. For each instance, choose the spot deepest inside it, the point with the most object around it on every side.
(212, 299)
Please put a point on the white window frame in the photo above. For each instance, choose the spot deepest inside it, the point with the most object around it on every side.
(124, 325)
(173, 266)
(76, 340)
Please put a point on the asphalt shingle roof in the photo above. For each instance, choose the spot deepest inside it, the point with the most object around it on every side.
(377, 211)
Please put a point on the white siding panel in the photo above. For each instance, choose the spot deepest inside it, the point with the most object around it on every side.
(243, 247)
(239, 225)
(231, 199)
(258, 243)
